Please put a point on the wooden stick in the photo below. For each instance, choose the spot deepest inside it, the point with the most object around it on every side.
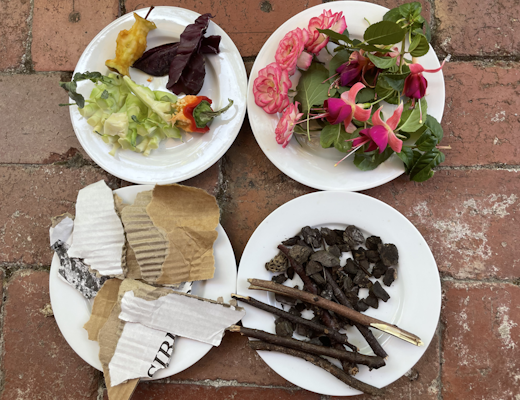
(322, 363)
(326, 317)
(259, 284)
(316, 327)
(357, 358)
(367, 334)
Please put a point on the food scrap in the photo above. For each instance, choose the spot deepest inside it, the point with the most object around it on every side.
(130, 45)
(134, 117)
(194, 113)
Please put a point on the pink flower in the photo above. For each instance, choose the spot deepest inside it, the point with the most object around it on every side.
(326, 20)
(382, 133)
(415, 84)
(290, 49)
(355, 69)
(271, 88)
(345, 108)
(285, 128)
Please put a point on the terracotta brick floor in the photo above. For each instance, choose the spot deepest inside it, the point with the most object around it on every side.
(468, 213)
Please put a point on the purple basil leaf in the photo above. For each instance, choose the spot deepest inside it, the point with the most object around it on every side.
(192, 77)
(157, 61)
(209, 45)
(188, 45)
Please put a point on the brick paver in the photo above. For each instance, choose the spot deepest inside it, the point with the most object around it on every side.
(38, 363)
(481, 341)
(62, 29)
(14, 34)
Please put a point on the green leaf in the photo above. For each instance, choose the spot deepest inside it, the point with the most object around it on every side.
(370, 161)
(422, 169)
(426, 141)
(336, 37)
(382, 62)
(71, 87)
(435, 127)
(411, 119)
(365, 95)
(406, 156)
(427, 31)
(104, 95)
(311, 90)
(383, 89)
(339, 59)
(384, 32)
(395, 81)
(393, 15)
(411, 11)
(419, 46)
(335, 135)
(78, 76)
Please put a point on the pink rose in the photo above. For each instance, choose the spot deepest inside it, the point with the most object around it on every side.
(326, 20)
(285, 128)
(271, 88)
(290, 48)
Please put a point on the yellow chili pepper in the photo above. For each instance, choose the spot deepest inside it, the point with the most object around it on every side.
(131, 45)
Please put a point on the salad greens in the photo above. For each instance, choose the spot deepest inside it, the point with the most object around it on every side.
(125, 114)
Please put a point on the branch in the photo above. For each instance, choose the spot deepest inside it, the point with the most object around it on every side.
(316, 327)
(353, 315)
(322, 363)
(367, 334)
(357, 358)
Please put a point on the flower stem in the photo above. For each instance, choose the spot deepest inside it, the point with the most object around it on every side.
(352, 151)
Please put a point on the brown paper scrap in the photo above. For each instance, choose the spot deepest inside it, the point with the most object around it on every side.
(149, 244)
(189, 216)
(104, 302)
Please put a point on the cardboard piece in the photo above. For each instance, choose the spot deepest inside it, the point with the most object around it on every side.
(189, 216)
(181, 315)
(98, 236)
(104, 302)
(149, 244)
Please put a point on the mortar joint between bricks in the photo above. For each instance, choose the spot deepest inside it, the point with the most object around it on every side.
(440, 329)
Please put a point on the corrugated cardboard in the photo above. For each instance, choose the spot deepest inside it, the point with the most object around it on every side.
(189, 216)
(149, 244)
(98, 236)
(104, 303)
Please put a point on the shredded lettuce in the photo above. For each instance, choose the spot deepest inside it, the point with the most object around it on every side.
(126, 115)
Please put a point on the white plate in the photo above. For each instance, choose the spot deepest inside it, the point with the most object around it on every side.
(72, 310)
(174, 160)
(415, 295)
(311, 165)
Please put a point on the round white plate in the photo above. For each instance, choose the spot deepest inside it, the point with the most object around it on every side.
(72, 310)
(174, 160)
(312, 165)
(415, 295)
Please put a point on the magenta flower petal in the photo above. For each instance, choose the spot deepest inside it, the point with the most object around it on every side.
(396, 116)
(337, 110)
(379, 136)
(415, 86)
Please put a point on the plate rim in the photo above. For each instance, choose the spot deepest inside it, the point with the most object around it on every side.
(241, 80)
(344, 4)
(323, 196)
(76, 343)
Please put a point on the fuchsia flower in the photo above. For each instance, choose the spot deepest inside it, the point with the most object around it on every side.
(345, 108)
(382, 133)
(326, 20)
(290, 51)
(285, 128)
(271, 88)
(355, 69)
(415, 84)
